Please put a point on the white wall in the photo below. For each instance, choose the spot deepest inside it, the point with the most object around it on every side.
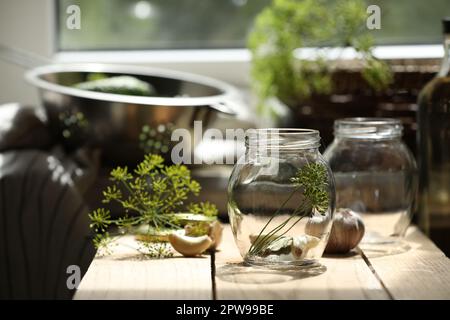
(25, 25)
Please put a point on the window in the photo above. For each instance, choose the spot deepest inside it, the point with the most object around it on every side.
(411, 21)
(207, 24)
(158, 24)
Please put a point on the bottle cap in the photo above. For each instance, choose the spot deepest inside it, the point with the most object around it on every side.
(446, 25)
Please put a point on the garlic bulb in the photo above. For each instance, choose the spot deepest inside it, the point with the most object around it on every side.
(347, 231)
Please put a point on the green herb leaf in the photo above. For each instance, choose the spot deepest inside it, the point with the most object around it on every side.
(313, 178)
(100, 220)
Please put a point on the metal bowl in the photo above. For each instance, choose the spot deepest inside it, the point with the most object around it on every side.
(113, 122)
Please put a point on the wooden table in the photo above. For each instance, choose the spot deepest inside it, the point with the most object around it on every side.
(422, 272)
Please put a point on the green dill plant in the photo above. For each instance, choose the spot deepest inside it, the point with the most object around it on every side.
(155, 250)
(287, 25)
(152, 195)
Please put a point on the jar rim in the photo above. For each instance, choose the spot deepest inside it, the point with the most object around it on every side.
(368, 128)
(300, 131)
(283, 138)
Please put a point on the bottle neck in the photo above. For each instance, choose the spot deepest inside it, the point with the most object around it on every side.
(445, 67)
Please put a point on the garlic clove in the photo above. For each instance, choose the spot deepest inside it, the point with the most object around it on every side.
(189, 246)
(215, 233)
(316, 226)
(302, 244)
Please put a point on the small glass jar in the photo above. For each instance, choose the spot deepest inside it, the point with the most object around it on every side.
(276, 189)
(375, 174)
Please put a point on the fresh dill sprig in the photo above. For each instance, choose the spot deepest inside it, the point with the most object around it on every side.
(155, 250)
(103, 243)
(312, 181)
(152, 195)
(206, 208)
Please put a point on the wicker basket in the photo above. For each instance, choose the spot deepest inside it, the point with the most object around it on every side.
(352, 97)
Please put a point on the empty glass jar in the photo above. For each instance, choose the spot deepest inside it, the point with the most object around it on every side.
(280, 184)
(375, 175)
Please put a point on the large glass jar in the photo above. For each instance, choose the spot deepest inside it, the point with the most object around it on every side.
(375, 174)
(277, 187)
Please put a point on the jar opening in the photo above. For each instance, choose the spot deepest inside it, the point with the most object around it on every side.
(368, 128)
(282, 139)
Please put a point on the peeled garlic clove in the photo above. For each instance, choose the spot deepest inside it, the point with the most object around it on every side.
(215, 233)
(189, 246)
(346, 233)
(302, 244)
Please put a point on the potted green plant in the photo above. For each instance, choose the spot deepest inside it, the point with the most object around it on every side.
(308, 85)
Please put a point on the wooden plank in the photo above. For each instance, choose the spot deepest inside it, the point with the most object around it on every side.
(345, 278)
(422, 272)
(125, 275)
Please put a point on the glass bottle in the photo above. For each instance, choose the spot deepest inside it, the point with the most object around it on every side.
(275, 189)
(375, 174)
(434, 152)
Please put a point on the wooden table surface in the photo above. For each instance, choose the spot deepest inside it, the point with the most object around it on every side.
(421, 272)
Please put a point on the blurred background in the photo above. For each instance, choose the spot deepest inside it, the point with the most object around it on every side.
(117, 25)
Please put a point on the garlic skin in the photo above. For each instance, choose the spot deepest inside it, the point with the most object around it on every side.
(189, 246)
(346, 233)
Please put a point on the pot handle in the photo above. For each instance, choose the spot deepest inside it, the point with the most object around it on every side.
(228, 107)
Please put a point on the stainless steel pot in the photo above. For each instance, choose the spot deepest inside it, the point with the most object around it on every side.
(113, 122)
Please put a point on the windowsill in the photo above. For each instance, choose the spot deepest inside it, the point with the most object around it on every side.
(156, 56)
(237, 55)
